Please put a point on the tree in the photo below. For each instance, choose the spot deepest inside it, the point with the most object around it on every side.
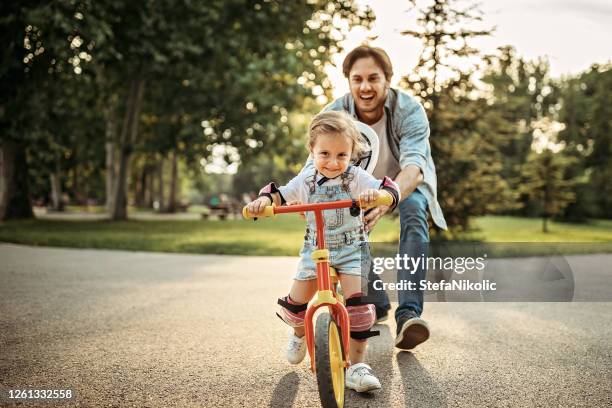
(523, 94)
(465, 131)
(586, 112)
(272, 165)
(239, 68)
(37, 38)
(546, 183)
(254, 57)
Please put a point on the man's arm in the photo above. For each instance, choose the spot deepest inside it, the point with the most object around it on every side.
(408, 179)
(413, 146)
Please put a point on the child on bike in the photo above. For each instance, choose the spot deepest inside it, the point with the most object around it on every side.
(333, 141)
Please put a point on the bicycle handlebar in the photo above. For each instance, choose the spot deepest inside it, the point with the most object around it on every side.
(267, 212)
(383, 199)
(271, 210)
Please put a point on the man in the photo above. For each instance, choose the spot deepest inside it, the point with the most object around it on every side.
(405, 155)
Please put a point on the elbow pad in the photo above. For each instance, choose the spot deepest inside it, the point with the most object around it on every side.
(391, 186)
(270, 189)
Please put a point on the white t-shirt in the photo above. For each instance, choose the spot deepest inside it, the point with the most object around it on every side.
(387, 165)
(299, 190)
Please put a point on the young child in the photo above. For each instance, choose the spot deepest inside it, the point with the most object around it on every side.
(333, 141)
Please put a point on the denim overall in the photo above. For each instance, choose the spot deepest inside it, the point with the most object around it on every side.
(344, 234)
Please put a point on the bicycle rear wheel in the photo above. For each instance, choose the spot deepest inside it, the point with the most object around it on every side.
(329, 362)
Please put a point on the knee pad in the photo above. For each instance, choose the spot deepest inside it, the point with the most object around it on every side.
(362, 317)
(291, 312)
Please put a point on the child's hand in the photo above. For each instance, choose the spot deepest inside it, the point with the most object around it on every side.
(369, 196)
(257, 207)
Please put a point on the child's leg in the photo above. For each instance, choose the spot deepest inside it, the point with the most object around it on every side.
(301, 292)
(351, 284)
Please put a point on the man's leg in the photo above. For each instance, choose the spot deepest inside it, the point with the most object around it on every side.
(379, 298)
(414, 240)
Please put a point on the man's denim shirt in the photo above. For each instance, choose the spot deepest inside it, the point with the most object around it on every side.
(408, 133)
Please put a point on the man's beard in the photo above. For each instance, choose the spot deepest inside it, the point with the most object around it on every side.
(374, 106)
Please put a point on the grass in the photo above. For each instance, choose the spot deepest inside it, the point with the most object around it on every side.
(281, 236)
(264, 237)
(518, 229)
(94, 209)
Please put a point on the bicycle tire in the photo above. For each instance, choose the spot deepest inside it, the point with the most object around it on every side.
(329, 362)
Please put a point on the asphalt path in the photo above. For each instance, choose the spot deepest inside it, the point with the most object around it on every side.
(166, 330)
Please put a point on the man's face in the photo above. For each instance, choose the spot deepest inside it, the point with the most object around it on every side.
(368, 86)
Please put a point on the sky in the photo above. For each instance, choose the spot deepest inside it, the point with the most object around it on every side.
(571, 34)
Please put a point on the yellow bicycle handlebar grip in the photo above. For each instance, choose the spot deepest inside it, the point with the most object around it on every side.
(383, 199)
(267, 212)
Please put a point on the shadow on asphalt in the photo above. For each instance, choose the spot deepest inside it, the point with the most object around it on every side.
(285, 391)
(420, 389)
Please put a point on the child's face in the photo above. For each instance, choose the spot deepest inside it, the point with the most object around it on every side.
(332, 154)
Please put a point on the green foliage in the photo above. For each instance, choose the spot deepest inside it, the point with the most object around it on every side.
(468, 161)
(277, 165)
(249, 75)
(38, 55)
(215, 72)
(523, 94)
(222, 72)
(586, 112)
(445, 31)
(546, 183)
(465, 131)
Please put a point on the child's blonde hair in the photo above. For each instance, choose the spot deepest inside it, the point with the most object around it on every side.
(340, 123)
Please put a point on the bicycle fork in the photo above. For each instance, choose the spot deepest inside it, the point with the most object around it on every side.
(326, 296)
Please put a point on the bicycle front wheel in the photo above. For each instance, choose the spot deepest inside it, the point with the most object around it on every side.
(329, 362)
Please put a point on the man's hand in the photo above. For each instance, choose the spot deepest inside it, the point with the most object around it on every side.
(371, 217)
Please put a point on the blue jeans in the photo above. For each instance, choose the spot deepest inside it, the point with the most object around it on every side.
(414, 240)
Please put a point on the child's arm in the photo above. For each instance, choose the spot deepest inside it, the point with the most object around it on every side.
(369, 188)
(292, 192)
(267, 195)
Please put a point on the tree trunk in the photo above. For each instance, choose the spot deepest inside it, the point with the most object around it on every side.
(110, 173)
(160, 185)
(128, 136)
(110, 137)
(14, 190)
(80, 198)
(150, 187)
(173, 183)
(56, 187)
(141, 187)
(545, 224)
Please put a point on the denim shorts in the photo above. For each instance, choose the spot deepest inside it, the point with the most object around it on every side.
(350, 259)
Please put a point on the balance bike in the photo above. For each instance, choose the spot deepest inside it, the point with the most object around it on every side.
(328, 343)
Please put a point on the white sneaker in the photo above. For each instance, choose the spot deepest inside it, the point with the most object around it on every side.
(359, 377)
(296, 349)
